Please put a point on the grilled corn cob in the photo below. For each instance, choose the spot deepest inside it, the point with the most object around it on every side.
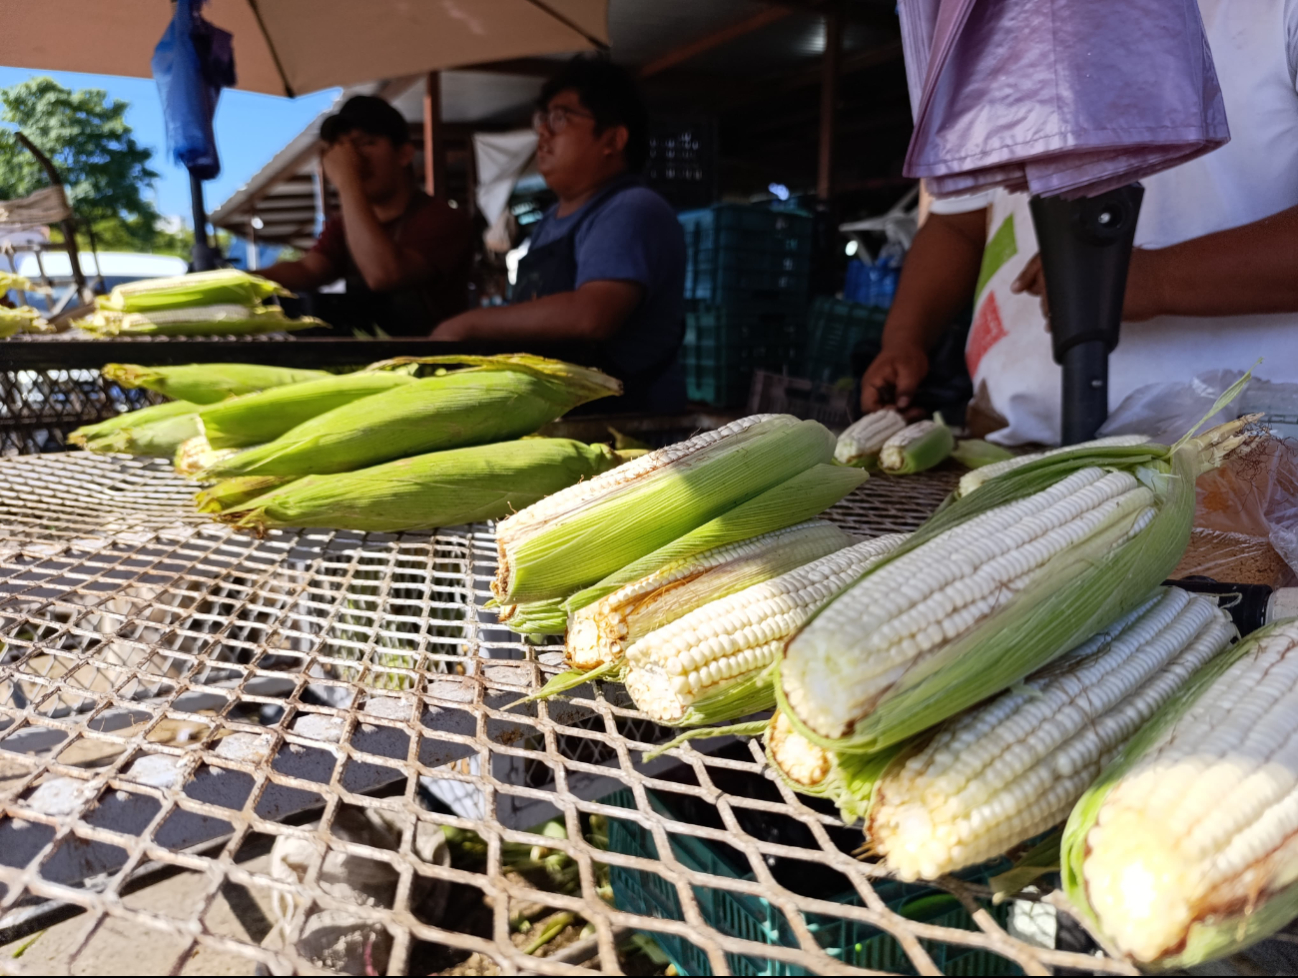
(861, 443)
(262, 417)
(219, 320)
(207, 383)
(583, 534)
(1186, 848)
(131, 419)
(224, 285)
(994, 586)
(972, 480)
(235, 493)
(462, 485)
(158, 436)
(599, 633)
(916, 447)
(714, 664)
(494, 399)
(806, 495)
(1001, 773)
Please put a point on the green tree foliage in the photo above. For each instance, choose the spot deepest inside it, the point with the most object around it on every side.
(105, 171)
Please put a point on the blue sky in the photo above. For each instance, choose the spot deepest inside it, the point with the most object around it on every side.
(250, 129)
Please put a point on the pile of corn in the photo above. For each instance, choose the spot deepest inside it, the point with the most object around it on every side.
(884, 442)
(19, 319)
(225, 302)
(379, 449)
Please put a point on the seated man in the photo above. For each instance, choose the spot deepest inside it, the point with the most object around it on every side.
(405, 256)
(606, 264)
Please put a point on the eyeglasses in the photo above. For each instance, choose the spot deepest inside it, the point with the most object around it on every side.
(556, 119)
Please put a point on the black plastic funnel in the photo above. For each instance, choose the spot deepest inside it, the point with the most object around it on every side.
(1085, 253)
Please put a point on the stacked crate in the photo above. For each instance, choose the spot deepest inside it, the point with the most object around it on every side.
(746, 284)
(835, 330)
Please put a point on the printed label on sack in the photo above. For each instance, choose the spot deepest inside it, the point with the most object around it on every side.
(1000, 248)
(987, 330)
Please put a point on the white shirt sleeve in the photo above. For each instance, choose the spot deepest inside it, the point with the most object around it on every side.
(965, 203)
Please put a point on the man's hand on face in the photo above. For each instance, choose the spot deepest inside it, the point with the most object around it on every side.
(1140, 303)
(342, 163)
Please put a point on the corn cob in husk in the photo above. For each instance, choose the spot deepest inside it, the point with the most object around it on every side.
(980, 475)
(861, 443)
(254, 419)
(462, 485)
(195, 455)
(130, 419)
(993, 586)
(793, 501)
(220, 320)
(207, 383)
(223, 285)
(24, 319)
(231, 494)
(157, 438)
(589, 531)
(916, 447)
(493, 399)
(1186, 847)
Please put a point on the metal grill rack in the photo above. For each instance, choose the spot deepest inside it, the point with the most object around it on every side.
(217, 755)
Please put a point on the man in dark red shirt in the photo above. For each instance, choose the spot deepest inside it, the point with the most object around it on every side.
(404, 255)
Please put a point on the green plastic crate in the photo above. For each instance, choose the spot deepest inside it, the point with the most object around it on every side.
(755, 919)
(723, 345)
(739, 253)
(834, 328)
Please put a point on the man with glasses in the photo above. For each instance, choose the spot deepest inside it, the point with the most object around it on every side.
(606, 264)
(405, 256)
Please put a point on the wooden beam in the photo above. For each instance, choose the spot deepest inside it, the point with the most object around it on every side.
(434, 139)
(829, 66)
(717, 38)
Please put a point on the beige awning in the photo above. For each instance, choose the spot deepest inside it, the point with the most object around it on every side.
(289, 47)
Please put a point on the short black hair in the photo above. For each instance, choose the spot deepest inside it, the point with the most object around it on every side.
(369, 114)
(610, 94)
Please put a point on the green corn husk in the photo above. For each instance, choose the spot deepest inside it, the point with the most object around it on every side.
(12, 280)
(24, 319)
(224, 285)
(220, 320)
(544, 555)
(846, 780)
(1217, 932)
(462, 485)
(154, 438)
(992, 468)
(494, 399)
(254, 419)
(131, 419)
(1079, 592)
(806, 495)
(917, 447)
(974, 453)
(207, 383)
(231, 494)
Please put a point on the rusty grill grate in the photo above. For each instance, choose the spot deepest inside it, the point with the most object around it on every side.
(219, 753)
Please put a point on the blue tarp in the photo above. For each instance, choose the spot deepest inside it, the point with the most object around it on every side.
(191, 64)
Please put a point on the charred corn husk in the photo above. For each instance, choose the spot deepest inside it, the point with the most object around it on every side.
(219, 320)
(224, 285)
(579, 536)
(994, 586)
(207, 383)
(1186, 847)
(462, 485)
(972, 480)
(235, 493)
(159, 435)
(494, 399)
(131, 419)
(916, 447)
(806, 495)
(861, 443)
(714, 664)
(262, 417)
(999, 774)
(601, 632)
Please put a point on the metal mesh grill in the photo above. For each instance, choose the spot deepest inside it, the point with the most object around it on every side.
(40, 408)
(218, 752)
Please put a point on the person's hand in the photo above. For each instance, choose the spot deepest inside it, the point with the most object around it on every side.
(892, 377)
(342, 163)
(1142, 300)
(455, 328)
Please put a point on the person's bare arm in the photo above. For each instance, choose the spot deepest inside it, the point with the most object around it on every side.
(382, 262)
(937, 281)
(309, 272)
(1249, 269)
(592, 312)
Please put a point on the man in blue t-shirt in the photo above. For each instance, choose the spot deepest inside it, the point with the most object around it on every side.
(606, 264)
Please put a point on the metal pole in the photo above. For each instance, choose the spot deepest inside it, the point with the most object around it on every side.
(829, 66)
(204, 259)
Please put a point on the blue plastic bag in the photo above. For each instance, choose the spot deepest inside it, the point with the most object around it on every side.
(191, 64)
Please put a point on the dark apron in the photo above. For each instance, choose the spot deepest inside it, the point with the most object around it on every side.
(552, 268)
